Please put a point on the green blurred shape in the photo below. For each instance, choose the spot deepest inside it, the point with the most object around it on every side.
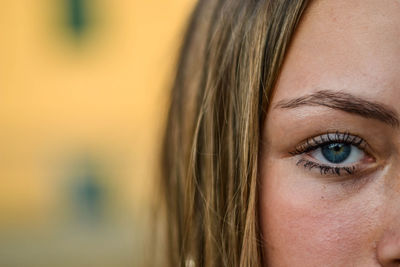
(77, 16)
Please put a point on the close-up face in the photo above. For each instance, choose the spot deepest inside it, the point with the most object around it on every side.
(330, 156)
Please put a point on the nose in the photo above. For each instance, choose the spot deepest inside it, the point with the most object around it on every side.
(388, 250)
(388, 247)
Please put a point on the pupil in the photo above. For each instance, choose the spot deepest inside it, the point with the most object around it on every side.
(336, 152)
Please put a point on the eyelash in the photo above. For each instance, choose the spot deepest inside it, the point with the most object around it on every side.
(325, 169)
(314, 143)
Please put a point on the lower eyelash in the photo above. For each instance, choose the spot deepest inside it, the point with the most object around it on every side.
(324, 169)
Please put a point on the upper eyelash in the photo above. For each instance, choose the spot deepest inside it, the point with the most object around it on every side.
(315, 142)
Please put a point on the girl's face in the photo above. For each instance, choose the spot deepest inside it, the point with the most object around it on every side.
(330, 161)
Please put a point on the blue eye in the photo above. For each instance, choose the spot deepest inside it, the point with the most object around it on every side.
(336, 152)
(333, 153)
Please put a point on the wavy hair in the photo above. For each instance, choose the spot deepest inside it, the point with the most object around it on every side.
(230, 59)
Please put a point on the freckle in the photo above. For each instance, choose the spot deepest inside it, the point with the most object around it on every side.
(322, 197)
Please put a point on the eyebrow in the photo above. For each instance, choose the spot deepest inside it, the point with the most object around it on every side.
(345, 102)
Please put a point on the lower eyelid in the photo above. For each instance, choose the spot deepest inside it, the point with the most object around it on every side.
(327, 170)
(337, 170)
(358, 165)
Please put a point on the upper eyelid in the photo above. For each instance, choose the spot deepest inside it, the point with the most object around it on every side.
(316, 142)
(312, 143)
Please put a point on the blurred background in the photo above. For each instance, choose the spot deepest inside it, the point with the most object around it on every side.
(83, 99)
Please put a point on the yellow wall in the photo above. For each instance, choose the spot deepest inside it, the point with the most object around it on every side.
(103, 95)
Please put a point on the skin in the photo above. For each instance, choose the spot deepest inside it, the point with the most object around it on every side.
(311, 219)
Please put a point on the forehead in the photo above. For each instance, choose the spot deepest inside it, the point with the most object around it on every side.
(345, 45)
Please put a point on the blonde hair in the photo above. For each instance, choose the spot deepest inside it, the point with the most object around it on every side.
(230, 60)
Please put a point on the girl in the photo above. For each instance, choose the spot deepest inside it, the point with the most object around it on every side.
(283, 141)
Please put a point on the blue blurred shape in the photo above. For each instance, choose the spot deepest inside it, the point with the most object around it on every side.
(88, 190)
(90, 196)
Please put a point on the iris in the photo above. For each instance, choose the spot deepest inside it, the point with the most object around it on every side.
(336, 152)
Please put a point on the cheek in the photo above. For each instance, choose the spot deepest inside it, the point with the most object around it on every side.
(304, 222)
